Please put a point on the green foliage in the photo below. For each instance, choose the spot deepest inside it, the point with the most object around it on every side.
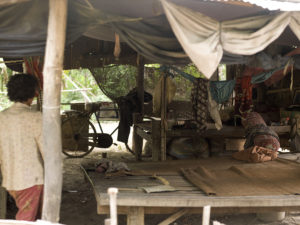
(104, 84)
(193, 70)
(115, 80)
(5, 73)
(83, 80)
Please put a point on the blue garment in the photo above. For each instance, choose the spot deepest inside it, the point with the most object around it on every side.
(221, 90)
(264, 76)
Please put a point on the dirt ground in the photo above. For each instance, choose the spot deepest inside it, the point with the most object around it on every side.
(78, 205)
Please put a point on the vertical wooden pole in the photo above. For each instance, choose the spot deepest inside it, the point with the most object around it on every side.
(163, 109)
(135, 216)
(206, 215)
(51, 109)
(156, 140)
(3, 199)
(137, 141)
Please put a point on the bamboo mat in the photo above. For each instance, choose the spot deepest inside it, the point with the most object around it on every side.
(278, 177)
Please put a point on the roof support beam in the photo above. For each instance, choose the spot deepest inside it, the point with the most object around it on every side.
(52, 145)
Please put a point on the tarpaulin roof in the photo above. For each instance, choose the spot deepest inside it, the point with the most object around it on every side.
(142, 24)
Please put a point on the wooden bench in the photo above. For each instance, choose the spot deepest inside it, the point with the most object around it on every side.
(150, 130)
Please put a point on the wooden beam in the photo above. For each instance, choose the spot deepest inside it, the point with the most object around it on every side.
(135, 216)
(52, 145)
(3, 199)
(18, 222)
(123, 210)
(10, 2)
(136, 139)
(174, 217)
(163, 108)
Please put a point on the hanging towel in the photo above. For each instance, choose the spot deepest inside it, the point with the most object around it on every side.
(221, 90)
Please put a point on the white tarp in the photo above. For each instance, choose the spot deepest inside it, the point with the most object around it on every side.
(204, 39)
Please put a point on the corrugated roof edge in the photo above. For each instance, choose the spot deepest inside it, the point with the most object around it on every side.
(282, 5)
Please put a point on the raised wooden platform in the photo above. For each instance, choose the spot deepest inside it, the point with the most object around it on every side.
(151, 131)
(134, 202)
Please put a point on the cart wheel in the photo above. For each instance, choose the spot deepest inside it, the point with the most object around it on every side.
(79, 136)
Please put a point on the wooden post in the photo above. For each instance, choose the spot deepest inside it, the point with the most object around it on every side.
(3, 199)
(163, 109)
(137, 141)
(156, 140)
(206, 215)
(52, 145)
(135, 216)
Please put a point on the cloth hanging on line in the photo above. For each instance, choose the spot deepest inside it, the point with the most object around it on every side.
(214, 110)
(205, 39)
(221, 90)
(199, 97)
(34, 66)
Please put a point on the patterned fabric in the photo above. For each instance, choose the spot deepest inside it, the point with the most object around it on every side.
(20, 145)
(29, 202)
(262, 135)
(259, 134)
(200, 102)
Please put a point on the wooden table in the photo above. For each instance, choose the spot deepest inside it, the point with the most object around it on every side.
(135, 203)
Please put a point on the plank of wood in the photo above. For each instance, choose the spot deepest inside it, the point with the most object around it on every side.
(123, 210)
(3, 199)
(143, 134)
(137, 140)
(16, 222)
(174, 217)
(156, 140)
(173, 199)
(206, 215)
(135, 216)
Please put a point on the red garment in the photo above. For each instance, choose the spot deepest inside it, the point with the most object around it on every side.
(243, 90)
(29, 202)
(34, 66)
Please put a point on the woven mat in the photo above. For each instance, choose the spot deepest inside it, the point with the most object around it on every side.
(278, 177)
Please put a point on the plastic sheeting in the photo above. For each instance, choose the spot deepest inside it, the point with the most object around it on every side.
(23, 28)
(204, 39)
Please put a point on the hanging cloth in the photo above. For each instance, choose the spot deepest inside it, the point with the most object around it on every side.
(199, 102)
(243, 98)
(34, 66)
(221, 90)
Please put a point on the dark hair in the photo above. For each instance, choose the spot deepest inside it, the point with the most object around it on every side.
(21, 87)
